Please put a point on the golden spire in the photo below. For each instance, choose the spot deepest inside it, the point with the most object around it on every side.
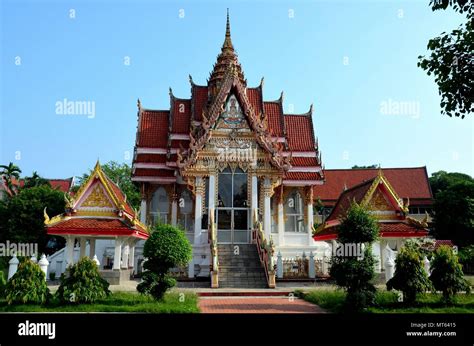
(228, 40)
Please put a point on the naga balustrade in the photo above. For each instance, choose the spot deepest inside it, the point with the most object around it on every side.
(212, 240)
(265, 251)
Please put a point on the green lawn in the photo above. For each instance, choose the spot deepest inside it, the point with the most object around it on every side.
(118, 302)
(386, 302)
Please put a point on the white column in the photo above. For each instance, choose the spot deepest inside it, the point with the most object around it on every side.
(310, 223)
(382, 244)
(267, 219)
(254, 198)
(82, 249)
(131, 255)
(91, 247)
(199, 189)
(174, 211)
(126, 252)
(143, 211)
(117, 253)
(281, 225)
(69, 250)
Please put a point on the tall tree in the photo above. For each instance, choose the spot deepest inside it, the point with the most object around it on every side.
(21, 216)
(35, 180)
(451, 61)
(9, 172)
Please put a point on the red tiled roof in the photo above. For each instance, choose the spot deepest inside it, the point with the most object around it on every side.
(274, 114)
(200, 100)
(386, 230)
(438, 243)
(145, 172)
(299, 130)
(181, 116)
(304, 161)
(96, 226)
(302, 176)
(121, 196)
(63, 185)
(153, 131)
(151, 158)
(356, 193)
(408, 183)
(255, 97)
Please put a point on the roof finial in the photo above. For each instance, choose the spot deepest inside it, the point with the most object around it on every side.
(227, 41)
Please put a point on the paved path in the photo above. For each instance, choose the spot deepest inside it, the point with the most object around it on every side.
(262, 305)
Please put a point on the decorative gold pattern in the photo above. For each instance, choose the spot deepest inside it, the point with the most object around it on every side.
(97, 198)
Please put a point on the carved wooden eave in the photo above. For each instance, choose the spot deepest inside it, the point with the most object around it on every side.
(256, 122)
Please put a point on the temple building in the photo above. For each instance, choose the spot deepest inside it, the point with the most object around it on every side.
(227, 150)
(96, 217)
(238, 176)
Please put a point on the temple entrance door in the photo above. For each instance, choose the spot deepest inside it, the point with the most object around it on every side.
(232, 208)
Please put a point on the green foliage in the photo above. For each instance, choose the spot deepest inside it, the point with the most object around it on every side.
(8, 173)
(167, 247)
(353, 273)
(410, 276)
(454, 213)
(358, 226)
(121, 174)
(451, 62)
(35, 180)
(52, 276)
(3, 284)
(466, 256)
(21, 216)
(442, 180)
(28, 285)
(82, 283)
(447, 275)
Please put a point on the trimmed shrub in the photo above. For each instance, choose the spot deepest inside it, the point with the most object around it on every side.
(28, 285)
(447, 275)
(167, 247)
(355, 273)
(82, 283)
(410, 277)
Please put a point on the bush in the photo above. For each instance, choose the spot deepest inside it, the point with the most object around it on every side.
(447, 275)
(352, 273)
(466, 258)
(3, 284)
(28, 285)
(82, 283)
(167, 247)
(410, 276)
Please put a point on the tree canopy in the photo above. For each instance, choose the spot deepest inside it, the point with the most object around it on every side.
(451, 62)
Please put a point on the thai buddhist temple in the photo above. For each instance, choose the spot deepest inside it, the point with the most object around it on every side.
(390, 210)
(239, 176)
(98, 212)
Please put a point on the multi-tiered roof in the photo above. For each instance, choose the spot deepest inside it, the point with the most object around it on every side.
(163, 134)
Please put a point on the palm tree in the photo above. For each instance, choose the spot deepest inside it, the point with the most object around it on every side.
(8, 173)
(35, 180)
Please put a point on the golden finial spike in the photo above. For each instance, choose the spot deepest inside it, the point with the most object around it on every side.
(227, 41)
(46, 217)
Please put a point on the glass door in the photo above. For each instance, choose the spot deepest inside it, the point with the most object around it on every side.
(232, 208)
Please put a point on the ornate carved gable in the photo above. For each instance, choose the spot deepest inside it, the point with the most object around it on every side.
(379, 202)
(233, 86)
(96, 197)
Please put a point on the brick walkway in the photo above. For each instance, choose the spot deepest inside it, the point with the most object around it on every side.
(262, 305)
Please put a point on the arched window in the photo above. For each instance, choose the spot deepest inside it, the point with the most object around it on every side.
(160, 206)
(294, 213)
(185, 215)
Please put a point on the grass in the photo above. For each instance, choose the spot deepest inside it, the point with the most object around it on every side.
(173, 302)
(387, 302)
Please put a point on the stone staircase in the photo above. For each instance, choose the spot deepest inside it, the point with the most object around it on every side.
(242, 270)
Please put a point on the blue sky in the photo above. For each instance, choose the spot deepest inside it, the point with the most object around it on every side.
(349, 58)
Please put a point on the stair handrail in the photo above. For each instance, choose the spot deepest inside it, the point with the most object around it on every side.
(212, 240)
(265, 251)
